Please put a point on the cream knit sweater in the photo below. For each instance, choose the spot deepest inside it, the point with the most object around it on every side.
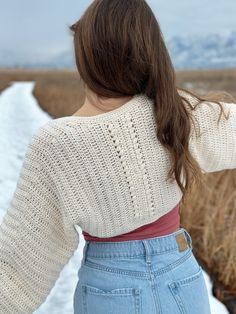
(105, 173)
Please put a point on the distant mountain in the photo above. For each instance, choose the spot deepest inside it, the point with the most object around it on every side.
(211, 51)
(61, 60)
(187, 52)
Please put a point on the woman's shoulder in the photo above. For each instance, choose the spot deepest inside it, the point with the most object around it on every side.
(54, 129)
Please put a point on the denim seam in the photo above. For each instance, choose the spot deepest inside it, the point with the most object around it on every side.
(178, 300)
(187, 280)
(116, 271)
(135, 293)
(127, 291)
(138, 301)
(175, 284)
(173, 265)
(84, 300)
(133, 256)
(134, 273)
(155, 293)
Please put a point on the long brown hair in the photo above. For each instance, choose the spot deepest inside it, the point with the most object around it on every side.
(120, 51)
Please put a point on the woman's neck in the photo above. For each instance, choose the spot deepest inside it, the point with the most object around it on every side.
(94, 105)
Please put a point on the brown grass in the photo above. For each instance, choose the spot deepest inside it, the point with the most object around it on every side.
(209, 214)
(207, 81)
(59, 92)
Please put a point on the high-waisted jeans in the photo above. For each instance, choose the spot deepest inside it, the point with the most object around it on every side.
(155, 275)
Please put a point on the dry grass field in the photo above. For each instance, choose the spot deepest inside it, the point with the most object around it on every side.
(60, 92)
(210, 214)
(206, 81)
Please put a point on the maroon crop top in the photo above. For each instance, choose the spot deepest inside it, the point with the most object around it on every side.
(166, 224)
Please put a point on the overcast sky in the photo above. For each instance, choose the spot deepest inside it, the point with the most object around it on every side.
(41, 27)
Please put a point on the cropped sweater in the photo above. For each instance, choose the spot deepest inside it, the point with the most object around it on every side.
(164, 225)
(107, 174)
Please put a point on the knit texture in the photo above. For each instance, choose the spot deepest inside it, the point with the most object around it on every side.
(106, 174)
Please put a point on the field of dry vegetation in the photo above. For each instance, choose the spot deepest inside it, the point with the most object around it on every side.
(60, 92)
(210, 214)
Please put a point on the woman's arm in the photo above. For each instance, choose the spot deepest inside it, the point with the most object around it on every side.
(37, 237)
(215, 148)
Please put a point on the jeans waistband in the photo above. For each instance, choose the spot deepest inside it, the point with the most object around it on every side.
(133, 248)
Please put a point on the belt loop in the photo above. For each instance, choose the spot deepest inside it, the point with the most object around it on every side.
(147, 252)
(189, 239)
(85, 252)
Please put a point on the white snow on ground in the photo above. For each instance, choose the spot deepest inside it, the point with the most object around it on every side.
(20, 116)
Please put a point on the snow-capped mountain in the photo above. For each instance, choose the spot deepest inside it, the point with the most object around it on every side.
(187, 52)
(211, 51)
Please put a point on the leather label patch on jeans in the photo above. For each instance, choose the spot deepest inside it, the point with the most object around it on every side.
(181, 241)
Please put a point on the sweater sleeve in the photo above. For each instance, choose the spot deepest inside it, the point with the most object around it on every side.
(37, 237)
(213, 145)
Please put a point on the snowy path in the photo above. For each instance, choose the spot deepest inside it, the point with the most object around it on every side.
(20, 116)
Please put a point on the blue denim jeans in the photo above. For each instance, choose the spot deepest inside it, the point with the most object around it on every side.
(154, 275)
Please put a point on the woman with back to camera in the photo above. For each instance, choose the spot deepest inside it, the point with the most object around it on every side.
(118, 168)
